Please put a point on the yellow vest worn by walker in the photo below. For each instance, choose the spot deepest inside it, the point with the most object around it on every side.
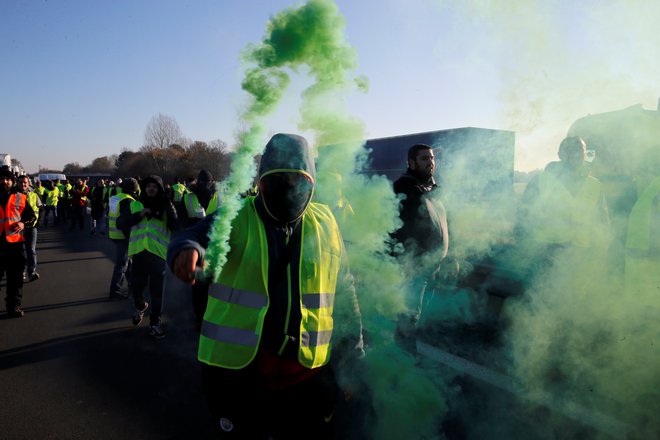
(237, 305)
(149, 235)
(35, 201)
(52, 196)
(178, 191)
(642, 270)
(191, 203)
(113, 214)
(562, 217)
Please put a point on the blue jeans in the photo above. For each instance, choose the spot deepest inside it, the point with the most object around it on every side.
(30, 235)
(48, 210)
(121, 266)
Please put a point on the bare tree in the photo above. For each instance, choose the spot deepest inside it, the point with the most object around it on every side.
(162, 131)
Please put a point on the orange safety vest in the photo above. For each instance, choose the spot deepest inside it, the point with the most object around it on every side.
(11, 214)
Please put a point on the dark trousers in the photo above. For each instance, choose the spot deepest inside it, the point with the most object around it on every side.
(77, 216)
(30, 235)
(47, 211)
(62, 210)
(242, 406)
(121, 266)
(148, 269)
(200, 292)
(12, 263)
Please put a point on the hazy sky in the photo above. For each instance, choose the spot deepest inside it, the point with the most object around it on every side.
(81, 79)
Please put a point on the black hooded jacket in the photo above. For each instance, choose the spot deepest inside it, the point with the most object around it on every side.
(160, 206)
(283, 152)
(424, 226)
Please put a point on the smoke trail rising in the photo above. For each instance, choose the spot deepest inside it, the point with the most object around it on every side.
(310, 38)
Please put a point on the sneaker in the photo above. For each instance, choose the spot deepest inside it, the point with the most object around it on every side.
(15, 312)
(34, 277)
(139, 314)
(157, 331)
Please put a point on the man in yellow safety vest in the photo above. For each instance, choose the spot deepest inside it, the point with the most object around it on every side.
(280, 305)
(117, 203)
(151, 220)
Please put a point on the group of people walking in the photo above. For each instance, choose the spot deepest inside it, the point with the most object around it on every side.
(272, 308)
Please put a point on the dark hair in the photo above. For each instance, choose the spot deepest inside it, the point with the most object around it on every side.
(570, 143)
(415, 149)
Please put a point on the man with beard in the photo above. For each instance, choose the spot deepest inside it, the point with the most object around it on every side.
(151, 220)
(15, 213)
(280, 307)
(423, 239)
(201, 201)
(30, 233)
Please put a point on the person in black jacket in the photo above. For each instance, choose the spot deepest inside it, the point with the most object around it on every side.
(423, 239)
(276, 393)
(151, 219)
(201, 200)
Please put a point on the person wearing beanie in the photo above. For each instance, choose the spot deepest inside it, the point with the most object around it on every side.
(120, 201)
(283, 303)
(151, 220)
(15, 213)
(202, 200)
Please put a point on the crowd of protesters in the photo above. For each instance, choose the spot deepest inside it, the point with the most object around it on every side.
(252, 326)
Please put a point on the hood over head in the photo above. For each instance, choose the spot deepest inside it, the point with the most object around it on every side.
(153, 179)
(286, 177)
(287, 152)
(204, 176)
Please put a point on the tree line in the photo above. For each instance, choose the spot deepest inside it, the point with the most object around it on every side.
(165, 152)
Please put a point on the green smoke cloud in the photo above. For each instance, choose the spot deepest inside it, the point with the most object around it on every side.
(310, 39)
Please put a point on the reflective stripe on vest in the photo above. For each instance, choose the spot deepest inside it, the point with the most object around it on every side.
(191, 202)
(10, 215)
(113, 214)
(149, 235)
(237, 296)
(237, 305)
(562, 217)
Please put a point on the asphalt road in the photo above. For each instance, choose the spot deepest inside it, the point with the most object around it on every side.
(74, 367)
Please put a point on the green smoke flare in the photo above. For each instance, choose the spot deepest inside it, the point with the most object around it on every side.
(311, 39)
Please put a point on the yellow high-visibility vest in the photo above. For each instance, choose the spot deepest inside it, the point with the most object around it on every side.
(561, 217)
(113, 214)
(149, 235)
(191, 203)
(237, 305)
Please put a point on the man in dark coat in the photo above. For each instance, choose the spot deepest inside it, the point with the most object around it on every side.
(423, 239)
